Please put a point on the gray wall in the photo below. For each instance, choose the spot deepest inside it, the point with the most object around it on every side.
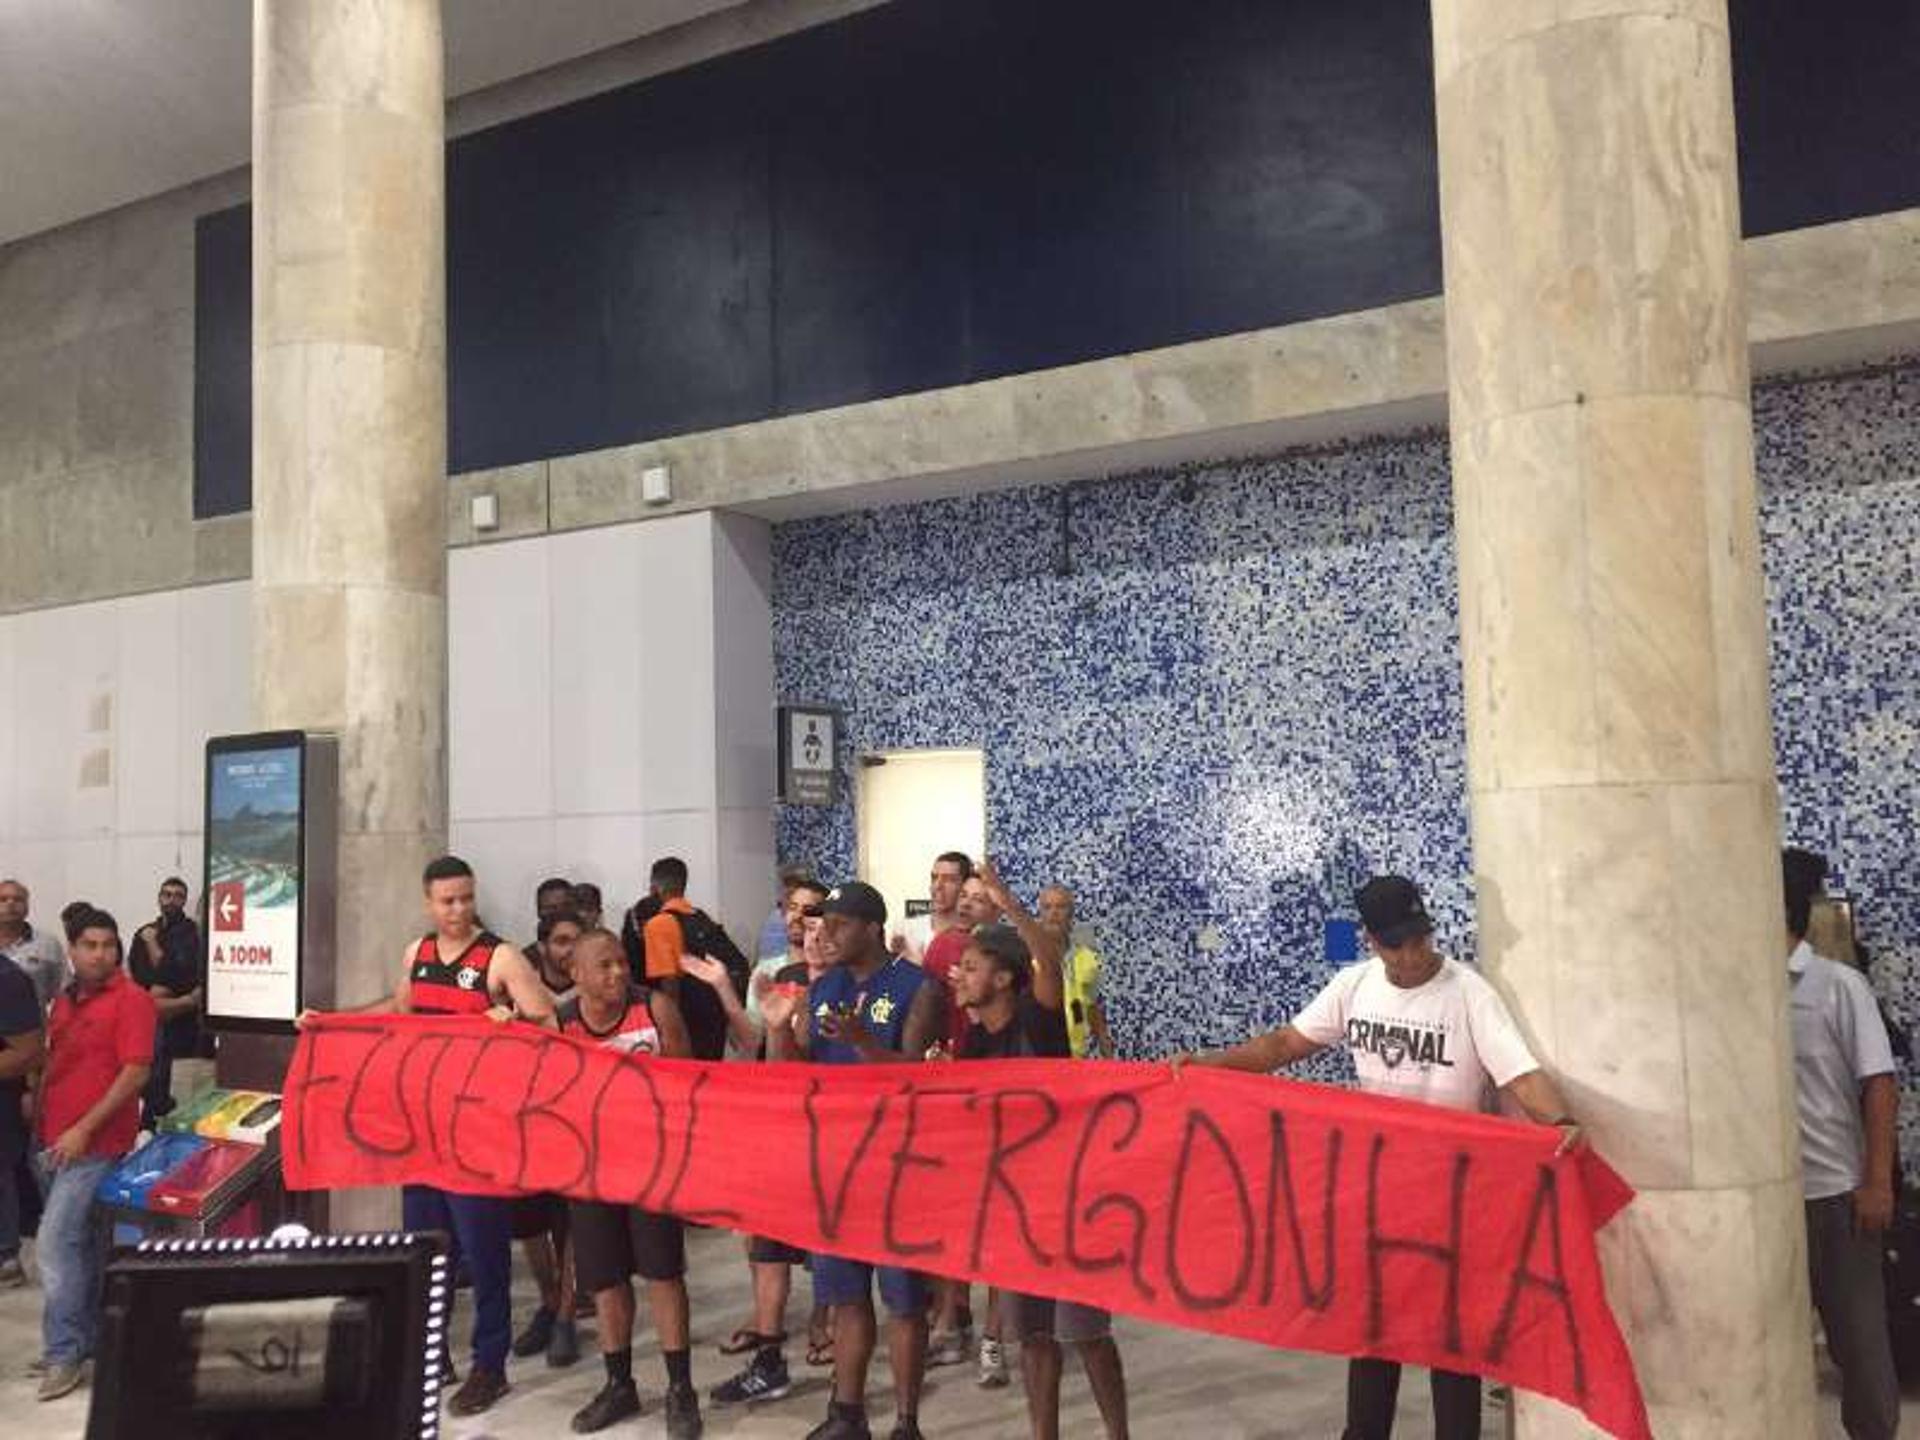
(96, 408)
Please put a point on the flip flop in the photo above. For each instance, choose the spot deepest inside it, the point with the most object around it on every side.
(744, 1340)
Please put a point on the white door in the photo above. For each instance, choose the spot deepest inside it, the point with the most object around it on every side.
(912, 806)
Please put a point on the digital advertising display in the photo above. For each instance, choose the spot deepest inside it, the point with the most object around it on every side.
(254, 880)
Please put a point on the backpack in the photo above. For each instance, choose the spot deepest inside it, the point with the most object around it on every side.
(700, 934)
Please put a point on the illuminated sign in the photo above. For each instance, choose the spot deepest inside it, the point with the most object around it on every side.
(255, 880)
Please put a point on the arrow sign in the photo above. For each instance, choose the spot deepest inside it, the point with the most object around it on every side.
(229, 906)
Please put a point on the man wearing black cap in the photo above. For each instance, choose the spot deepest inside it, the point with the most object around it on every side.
(870, 1006)
(1419, 1027)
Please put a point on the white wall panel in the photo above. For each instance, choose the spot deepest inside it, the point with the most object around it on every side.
(192, 853)
(40, 865)
(139, 863)
(693, 836)
(595, 643)
(9, 729)
(216, 690)
(747, 869)
(148, 684)
(606, 688)
(500, 736)
(675, 630)
(743, 662)
(611, 851)
(102, 775)
(91, 874)
(509, 858)
(63, 750)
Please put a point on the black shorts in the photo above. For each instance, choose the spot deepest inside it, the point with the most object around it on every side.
(613, 1242)
(762, 1251)
(537, 1215)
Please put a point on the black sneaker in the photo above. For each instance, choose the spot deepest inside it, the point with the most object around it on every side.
(764, 1379)
(537, 1336)
(683, 1413)
(617, 1400)
(907, 1430)
(840, 1427)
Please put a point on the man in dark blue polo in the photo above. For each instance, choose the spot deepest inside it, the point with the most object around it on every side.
(871, 1006)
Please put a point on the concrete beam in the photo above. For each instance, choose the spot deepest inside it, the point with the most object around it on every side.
(1831, 297)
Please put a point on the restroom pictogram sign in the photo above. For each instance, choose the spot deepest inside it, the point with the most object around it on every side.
(808, 734)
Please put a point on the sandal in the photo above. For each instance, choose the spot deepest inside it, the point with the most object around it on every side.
(820, 1338)
(744, 1340)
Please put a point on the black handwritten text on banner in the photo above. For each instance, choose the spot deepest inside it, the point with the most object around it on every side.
(1288, 1213)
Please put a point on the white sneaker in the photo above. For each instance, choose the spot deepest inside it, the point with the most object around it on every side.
(949, 1347)
(12, 1273)
(993, 1364)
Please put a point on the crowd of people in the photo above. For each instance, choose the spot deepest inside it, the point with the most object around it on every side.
(98, 1039)
(978, 977)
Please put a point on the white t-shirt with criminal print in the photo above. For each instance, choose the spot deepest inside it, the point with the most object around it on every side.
(1447, 1042)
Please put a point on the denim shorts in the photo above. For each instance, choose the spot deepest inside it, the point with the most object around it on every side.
(845, 1282)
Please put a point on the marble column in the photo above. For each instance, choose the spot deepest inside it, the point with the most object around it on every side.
(1620, 759)
(349, 436)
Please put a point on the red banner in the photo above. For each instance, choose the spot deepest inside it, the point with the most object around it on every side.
(1293, 1214)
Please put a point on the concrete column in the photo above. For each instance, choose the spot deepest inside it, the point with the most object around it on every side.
(1625, 821)
(349, 434)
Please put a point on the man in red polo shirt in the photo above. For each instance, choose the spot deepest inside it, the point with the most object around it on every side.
(99, 1053)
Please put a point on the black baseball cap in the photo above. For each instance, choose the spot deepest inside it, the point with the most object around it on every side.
(1804, 871)
(1392, 910)
(855, 898)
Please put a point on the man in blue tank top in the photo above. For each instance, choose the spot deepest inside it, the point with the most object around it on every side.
(870, 1007)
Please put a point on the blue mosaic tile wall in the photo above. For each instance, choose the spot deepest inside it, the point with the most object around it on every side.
(1212, 700)
(1839, 465)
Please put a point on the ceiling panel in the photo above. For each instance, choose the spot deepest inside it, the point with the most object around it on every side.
(103, 102)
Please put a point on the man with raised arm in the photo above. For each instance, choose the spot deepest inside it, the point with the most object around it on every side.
(1419, 1027)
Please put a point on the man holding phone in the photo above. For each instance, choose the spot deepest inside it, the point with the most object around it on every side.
(167, 962)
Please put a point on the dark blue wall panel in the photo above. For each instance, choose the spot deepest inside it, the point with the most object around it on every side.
(1827, 97)
(942, 191)
(223, 363)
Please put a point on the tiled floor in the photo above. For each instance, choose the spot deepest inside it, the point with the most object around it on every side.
(1181, 1384)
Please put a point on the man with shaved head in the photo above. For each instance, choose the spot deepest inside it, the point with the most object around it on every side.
(38, 952)
(615, 1242)
(1086, 1019)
